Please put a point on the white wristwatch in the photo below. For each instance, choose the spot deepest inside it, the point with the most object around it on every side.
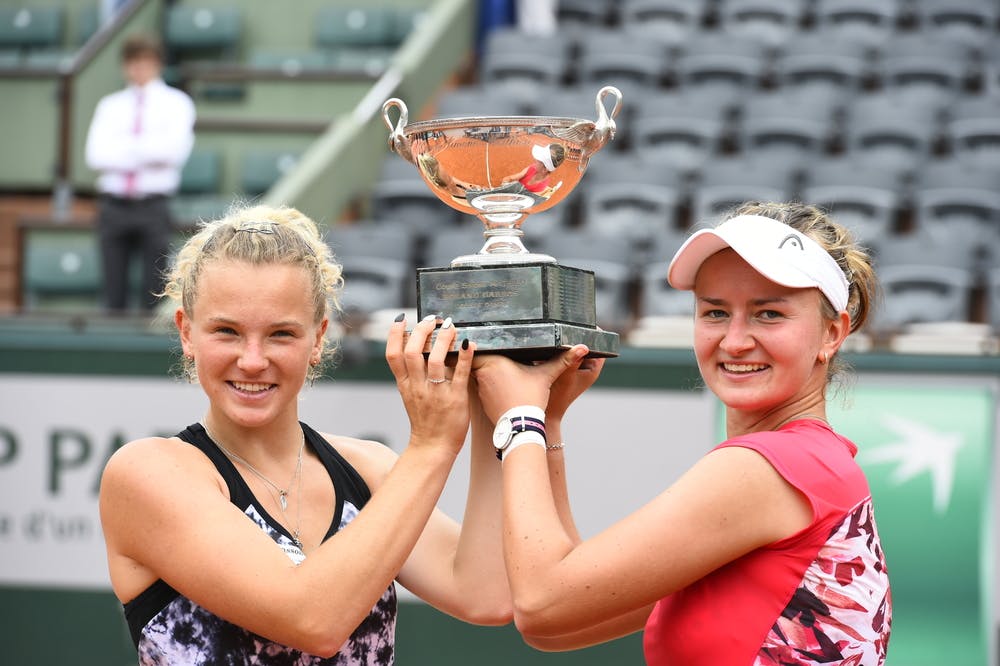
(526, 423)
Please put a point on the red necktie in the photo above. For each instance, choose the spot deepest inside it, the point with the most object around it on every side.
(130, 176)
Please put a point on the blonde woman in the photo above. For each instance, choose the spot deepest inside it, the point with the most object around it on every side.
(250, 537)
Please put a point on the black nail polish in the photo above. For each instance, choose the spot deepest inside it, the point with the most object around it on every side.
(400, 317)
(465, 343)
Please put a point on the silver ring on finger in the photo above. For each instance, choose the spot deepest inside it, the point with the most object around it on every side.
(438, 381)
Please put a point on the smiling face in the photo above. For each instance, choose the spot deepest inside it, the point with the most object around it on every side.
(252, 333)
(759, 345)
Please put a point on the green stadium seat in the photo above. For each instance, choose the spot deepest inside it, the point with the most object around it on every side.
(88, 22)
(199, 196)
(263, 168)
(361, 39)
(10, 58)
(191, 29)
(61, 269)
(30, 27)
(404, 21)
(201, 173)
(359, 26)
(48, 59)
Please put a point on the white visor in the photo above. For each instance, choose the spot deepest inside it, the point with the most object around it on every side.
(774, 249)
(543, 155)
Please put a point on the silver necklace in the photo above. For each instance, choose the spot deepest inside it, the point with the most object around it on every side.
(282, 500)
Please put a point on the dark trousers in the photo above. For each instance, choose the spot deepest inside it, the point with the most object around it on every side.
(130, 229)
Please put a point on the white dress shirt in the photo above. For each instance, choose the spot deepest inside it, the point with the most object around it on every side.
(156, 154)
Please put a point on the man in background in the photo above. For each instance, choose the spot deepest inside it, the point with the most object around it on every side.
(138, 141)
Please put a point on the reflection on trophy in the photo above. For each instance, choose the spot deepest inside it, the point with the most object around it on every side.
(501, 169)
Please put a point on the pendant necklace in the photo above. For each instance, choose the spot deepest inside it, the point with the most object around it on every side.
(282, 500)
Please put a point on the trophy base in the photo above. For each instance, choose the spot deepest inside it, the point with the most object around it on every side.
(525, 311)
(538, 342)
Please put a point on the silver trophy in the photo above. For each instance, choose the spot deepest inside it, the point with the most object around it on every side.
(502, 169)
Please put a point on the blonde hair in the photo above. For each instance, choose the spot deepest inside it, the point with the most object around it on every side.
(864, 291)
(258, 235)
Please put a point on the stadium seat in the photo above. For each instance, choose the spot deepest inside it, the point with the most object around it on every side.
(870, 212)
(823, 66)
(441, 248)
(612, 259)
(31, 27)
(203, 31)
(923, 70)
(737, 64)
(631, 63)
(679, 143)
(511, 38)
(375, 283)
(866, 22)
(583, 14)
(726, 182)
(521, 66)
(199, 196)
(917, 293)
(378, 264)
(672, 22)
(260, 169)
(575, 101)
(354, 26)
(405, 20)
(88, 22)
(772, 22)
(975, 141)
(358, 37)
(366, 239)
(793, 140)
(924, 247)
(634, 211)
(959, 210)
(401, 195)
(971, 23)
(656, 297)
(710, 202)
(61, 269)
(475, 100)
(893, 136)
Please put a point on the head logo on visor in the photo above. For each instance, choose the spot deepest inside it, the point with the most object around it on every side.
(775, 250)
(544, 155)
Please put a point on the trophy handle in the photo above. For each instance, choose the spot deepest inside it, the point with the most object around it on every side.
(604, 128)
(398, 142)
(606, 122)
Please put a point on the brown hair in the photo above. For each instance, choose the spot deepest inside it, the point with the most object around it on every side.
(864, 291)
(141, 46)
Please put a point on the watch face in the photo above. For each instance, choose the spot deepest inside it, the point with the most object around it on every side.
(502, 433)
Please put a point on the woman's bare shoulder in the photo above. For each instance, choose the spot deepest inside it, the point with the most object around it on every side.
(159, 459)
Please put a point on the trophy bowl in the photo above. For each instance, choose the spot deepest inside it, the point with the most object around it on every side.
(502, 168)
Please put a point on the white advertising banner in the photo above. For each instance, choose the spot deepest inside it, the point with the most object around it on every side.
(57, 432)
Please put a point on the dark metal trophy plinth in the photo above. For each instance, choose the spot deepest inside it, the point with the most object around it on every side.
(527, 311)
(501, 169)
